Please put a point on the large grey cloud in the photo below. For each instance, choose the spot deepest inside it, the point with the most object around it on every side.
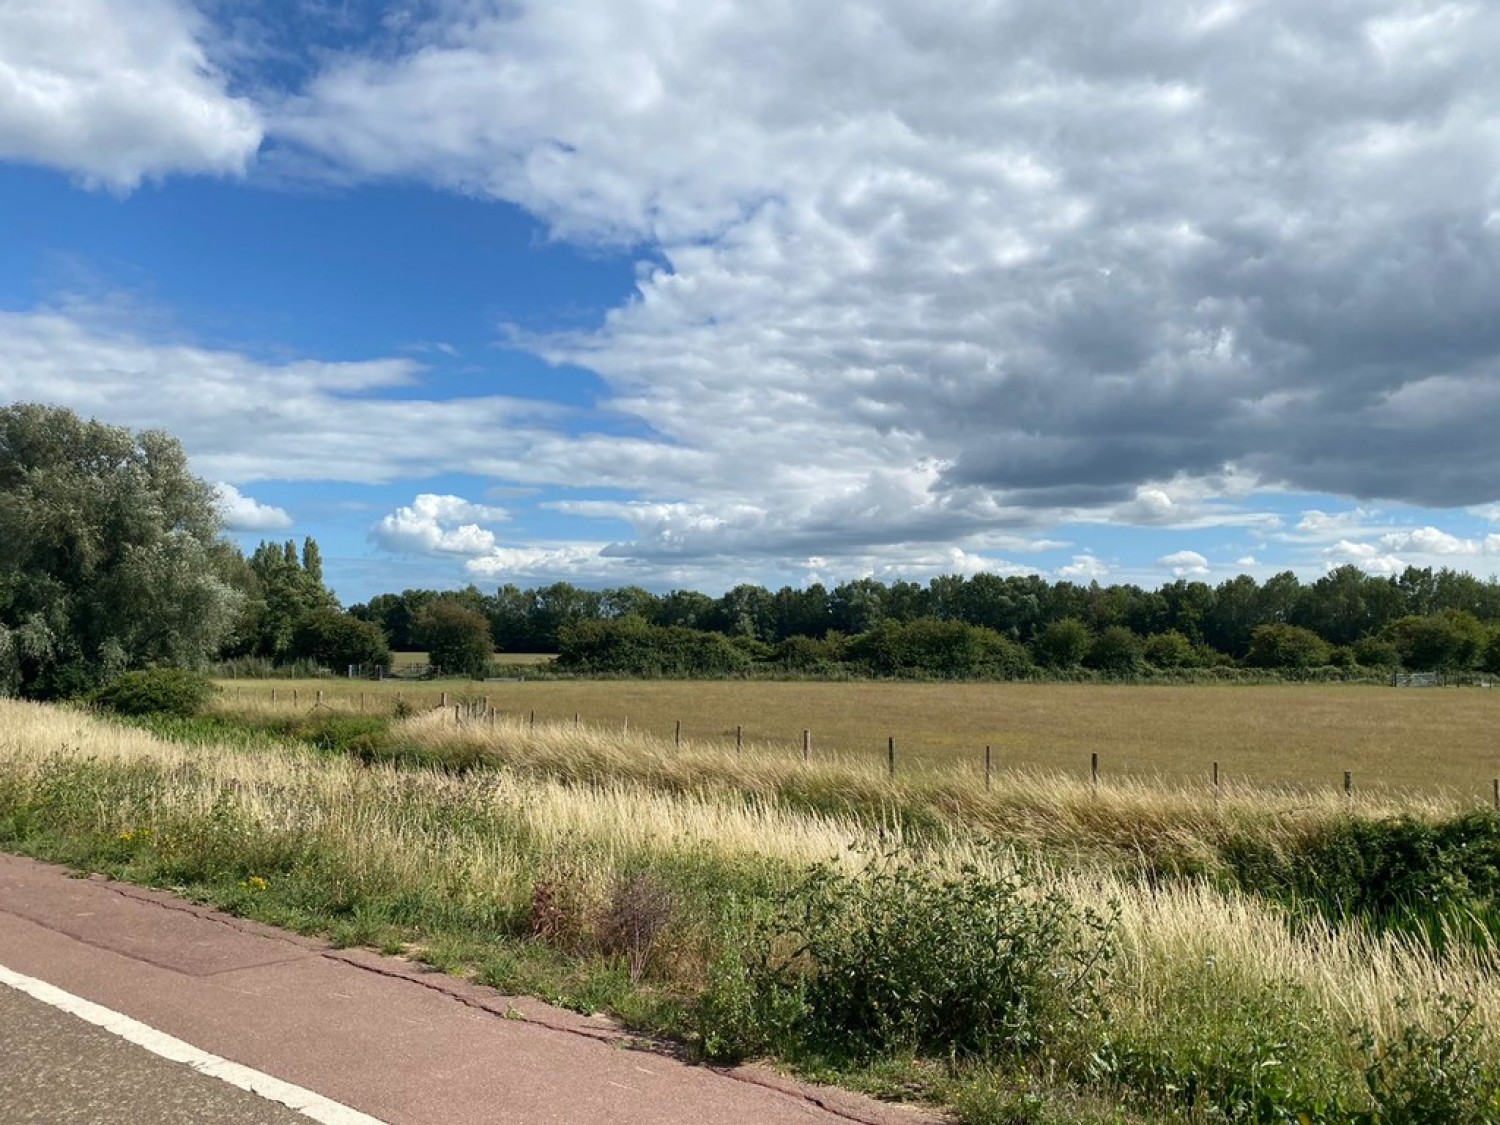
(1017, 258)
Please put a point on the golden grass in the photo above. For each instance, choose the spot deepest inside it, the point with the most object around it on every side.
(1398, 740)
(1180, 944)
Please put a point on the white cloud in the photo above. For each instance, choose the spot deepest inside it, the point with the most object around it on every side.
(117, 92)
(1316, 524)
(246, 420)
(1247, 561)
(1184, 564)
(436, 525)
(244, 513)
(1367, 556)
(888, 236)
(1432, 541)
(1084, 568)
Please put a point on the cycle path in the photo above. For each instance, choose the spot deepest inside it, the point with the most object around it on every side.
(376, 1035)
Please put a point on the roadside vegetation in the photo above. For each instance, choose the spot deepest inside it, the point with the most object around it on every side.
(1036, 952)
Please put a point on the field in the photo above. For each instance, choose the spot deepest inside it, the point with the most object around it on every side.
(1398, 740)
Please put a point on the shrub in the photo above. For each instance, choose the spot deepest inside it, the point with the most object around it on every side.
(901, 960)
(1422, 1076)
(1169, 650)
(1062, 644)
(1286, 647)
(1116, 652)
(156, 691)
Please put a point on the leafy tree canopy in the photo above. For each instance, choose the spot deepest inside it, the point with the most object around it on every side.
(110, 556)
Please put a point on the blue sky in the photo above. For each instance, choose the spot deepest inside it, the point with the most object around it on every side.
(616, 292)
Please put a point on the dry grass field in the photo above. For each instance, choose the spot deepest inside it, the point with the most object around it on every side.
(1399, 740)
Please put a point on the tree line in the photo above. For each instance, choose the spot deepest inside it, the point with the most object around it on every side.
(111, 558)
(986, 624)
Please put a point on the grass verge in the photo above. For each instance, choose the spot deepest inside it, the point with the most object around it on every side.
(930, 962)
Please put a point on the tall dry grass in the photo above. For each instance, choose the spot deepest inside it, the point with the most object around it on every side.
(601, 806)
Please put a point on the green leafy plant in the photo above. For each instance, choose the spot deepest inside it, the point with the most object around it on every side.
(900, 959)
(156, 691)
(1425, 1077)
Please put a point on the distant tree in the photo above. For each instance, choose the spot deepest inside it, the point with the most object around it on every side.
(1490, 661)
(1287, 647)
(1450, 640)
(1115, 651)
(631, 646)
(109, 554)
(456, 636)
(1376, 652)
(745, 611)
(336, 640)
(1062, 644)
(1169, 650)
(283, 591)
(930, 647)
(687, 608)
(858, 606)
(801, 613)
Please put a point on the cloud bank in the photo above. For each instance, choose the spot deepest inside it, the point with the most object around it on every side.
(116, 93)
(1036, 265)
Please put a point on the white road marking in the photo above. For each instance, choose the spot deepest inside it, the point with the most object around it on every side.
(305, 1102)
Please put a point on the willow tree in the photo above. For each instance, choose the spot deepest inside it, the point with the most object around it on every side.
(110, 555)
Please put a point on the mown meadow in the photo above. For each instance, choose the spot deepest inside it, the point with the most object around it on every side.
(1399, 741)
(1038, 950)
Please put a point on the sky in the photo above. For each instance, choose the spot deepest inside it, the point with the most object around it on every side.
(685, 295)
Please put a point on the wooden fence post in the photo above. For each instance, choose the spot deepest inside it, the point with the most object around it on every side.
(443, 700)
(890, 755)
(739, 739)
(1496, 786)
(677, 735)
(273, 695)
(806, 745)
(294, 697)
(1094, 768)
(320, 697)
(531, 720)
(1349, 784)
(1216, 781)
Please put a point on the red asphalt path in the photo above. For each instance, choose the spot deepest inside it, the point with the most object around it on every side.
(377, 1034)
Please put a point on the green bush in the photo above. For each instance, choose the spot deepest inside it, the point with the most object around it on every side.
(1421, 1077)
(899, 960)
(1430, 879)
(156, 691)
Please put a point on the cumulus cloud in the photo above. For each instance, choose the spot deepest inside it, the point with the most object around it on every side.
(1058, 266)
(244, 513)
(115, 93)
(1432, 541)
(1367, 556)
(246, 420)
(1315, 523)
(1084, 568)
(1184, 564)
(439, 525)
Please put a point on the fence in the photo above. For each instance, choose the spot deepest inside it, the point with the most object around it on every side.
(478, 711)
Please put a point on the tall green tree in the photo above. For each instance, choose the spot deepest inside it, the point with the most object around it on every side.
(110, 556)
(457, 637)
(287, 586)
